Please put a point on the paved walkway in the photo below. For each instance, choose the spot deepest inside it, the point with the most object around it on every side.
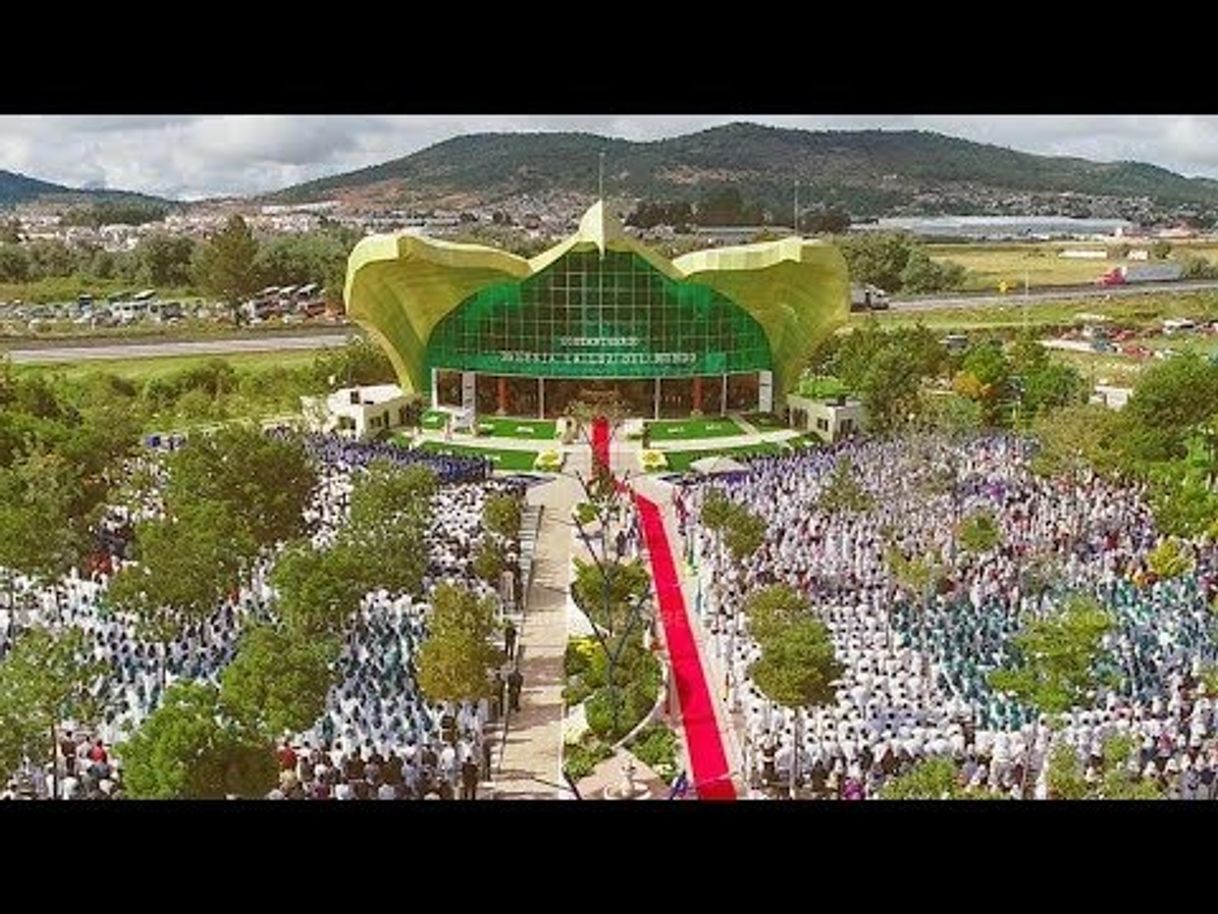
(530, 767)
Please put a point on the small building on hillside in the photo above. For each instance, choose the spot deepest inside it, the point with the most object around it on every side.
(358, 412)
(830, 419)
(1112, 397)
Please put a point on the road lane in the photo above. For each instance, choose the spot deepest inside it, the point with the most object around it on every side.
(177, 348)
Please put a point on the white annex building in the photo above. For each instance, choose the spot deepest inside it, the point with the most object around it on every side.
(359, 412)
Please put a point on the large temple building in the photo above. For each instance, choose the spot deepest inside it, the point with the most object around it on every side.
(715, 331)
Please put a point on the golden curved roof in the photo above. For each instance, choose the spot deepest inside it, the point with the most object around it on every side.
(400, 286)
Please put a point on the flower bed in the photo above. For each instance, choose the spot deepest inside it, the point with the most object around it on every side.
(653, 460)
(549, 461)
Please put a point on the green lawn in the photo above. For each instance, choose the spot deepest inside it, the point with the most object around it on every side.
(765, 422)
(507, 427)
(160, 366)
(686, 429)
(434, 419)
(503, 459)
(679, 461)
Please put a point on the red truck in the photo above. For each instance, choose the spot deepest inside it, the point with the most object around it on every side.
(1150, 272)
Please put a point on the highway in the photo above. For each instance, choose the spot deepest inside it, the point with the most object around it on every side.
(1062, 293)
(110, 352)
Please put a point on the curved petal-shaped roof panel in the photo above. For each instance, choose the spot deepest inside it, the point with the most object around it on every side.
(400, 286)
(797, 290)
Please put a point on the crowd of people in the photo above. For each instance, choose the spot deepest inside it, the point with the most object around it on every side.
(916, 664)
(377, 738)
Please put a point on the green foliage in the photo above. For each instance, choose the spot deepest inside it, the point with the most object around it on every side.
(264, 483)
(797, 665)
(771, 609)
(1075, 437)
(822, 388)
(1182, 500)
(580, 759)
(1172, 398)
(489, 563)
(386, 493)
(319, 590)
(843, 492)
(358, 363)
(897, 263)
(634, 701)
(979, 532)
(929, 779)
(625, 582)
(658, 748)
(502, 514)
(191, 748)
(745, 532)
(716, 509)
(47, 677)
(1195, 266)
(1169, 560)
(226, 265)
(1056, 657)
(279, 679)
(1066, 781)
(186, 564)
(456, 660)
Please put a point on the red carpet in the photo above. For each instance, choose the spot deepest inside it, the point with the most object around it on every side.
(706, 755)
(600, 442)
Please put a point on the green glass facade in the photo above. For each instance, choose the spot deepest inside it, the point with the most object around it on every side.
(594, 315)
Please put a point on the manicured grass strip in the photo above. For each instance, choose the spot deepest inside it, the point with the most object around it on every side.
(434, 419)
(687, 429)
(765, 422)
(679, 461)
(503, 459)
(507, 427)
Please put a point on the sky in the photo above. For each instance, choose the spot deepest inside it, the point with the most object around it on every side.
(190, 157)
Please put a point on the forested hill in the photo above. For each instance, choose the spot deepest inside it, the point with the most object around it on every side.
(17, 188)
(869, 173)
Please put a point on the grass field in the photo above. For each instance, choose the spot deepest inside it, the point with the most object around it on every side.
(1142, 311)
(434, 419)
(679, 461)
(687, 429)
(503, 459)
(529, 429)
(159, 366)
(989, 265)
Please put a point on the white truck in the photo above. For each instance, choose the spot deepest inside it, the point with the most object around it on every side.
(866, 297)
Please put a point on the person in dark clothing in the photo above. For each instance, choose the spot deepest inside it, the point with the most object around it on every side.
(469, 779)
(509, 640)
(515, 682)
(497, 697)
(486, 760)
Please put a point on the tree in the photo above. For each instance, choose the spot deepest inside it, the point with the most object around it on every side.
(41, 532)
(388, 493)
(771, 609)
(227, 266)
(456, 659)
(1169, 560)
(797, 669)
(1054, 669)
(929, 779)
(985, 378)
(979, 532)
(1171, 400)
(1183, 502)
(264, 482)
(1160, 249)
(1050, 386)
(165, 259)
(744, 534)
(503, 516)
(47, 677)
(843, 493)
(185, 566)
(320, 589)
(489, 563)
(1073, 438)
(889, 386)
(279, 679)
(191, 747)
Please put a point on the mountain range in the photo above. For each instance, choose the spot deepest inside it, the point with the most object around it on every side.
(868, 173)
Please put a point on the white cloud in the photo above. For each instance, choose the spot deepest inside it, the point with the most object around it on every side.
(195, 156)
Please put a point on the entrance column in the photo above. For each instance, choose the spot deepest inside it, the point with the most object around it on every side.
(541, 398)
(698, 393)
(435, 388)
(657, 399)
(503, 395)
(723, 398)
